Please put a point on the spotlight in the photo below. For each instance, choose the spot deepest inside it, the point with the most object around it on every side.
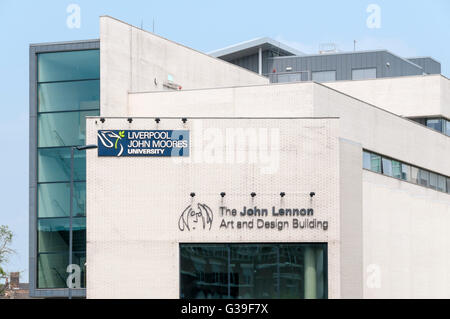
(312, 194)
(282, 194)
(253, 194)
(222, 194)
(192, 194)
(102, 119)
(184, 120)
(130, 120)
(157, 120)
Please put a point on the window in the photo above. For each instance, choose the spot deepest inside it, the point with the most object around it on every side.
(54, 165)
(52, 269)
(53, 234)
(54, 200)
(406, 172)
(414, 175)
(387, 167)
(366, 160)
(324, 76)
(396, 169)
(424, 178)
(68, 90)
(62, 129)
(447, 128)
(364, 74)
(69, 66)
(441, 185)
(433, 180)
(375, 163)
(435, 124)
(211, 271)
(69, 96)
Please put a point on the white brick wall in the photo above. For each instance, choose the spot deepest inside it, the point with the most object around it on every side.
(133, 204)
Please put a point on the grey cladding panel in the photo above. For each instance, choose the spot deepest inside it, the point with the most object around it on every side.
(344, 63)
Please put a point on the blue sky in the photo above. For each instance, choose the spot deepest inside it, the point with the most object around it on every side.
(408, 28)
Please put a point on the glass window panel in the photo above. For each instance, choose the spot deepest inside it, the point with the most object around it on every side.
(53, 234)
(406, 172)
(303, 271)
(387, 167)
(253, 271)
(375, 163)
(441, 183)
(447, 130)
(364, 74)
(435, 124)
(52, 269)
(396, 169)
(424, 177)
(204, 271)
(324, 76)
(433, 180)
(366, 160)
(448, 185)
(66, 66)
(414, 175)
(54, 199)
(54, 165)
(62, 129)
(69, 96)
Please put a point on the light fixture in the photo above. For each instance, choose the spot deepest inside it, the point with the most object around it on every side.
(157, 120)
(289, 68)
(86, 147)
(312, 194)
(253, 194)
(222, 194)
(184, 120)
(282, 194)
(102, 119)
(192, 194)
(130, 120)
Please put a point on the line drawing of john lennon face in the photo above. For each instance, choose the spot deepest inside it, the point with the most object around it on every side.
(200, 218)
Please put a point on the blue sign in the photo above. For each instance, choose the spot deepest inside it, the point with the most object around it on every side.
(143, 143)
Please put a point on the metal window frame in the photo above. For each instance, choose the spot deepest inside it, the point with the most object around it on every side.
(34, 50)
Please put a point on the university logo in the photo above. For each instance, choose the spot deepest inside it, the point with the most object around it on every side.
(196, 218)
(111, 140)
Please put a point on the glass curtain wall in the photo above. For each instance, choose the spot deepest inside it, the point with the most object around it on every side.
(237, 271)
(68, 91)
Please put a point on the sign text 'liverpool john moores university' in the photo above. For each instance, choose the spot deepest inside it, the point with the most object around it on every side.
(143, 142)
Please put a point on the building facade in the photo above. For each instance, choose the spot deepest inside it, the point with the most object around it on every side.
(277, 194)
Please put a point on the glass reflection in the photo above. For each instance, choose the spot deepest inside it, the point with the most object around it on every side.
(53, 234)
(69, 65)
(54, 199)
(54, 165)
(69, 96)
(253, 271)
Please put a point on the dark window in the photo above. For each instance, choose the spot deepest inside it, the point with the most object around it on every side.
(53, 234)
(435, 124)
(253, 271)
(424, 178)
